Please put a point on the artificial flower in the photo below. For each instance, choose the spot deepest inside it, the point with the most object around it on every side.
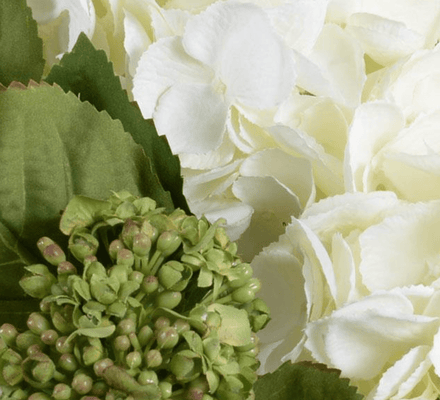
(363, 275)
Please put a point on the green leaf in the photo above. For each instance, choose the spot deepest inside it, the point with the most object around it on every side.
(87, 72)
(21, 50)
(304, 381)
(16, 312)
(54, 146)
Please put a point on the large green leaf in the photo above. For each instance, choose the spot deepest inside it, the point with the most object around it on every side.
(21, 50)
(87, 72)
(304, 381)
(52, 147)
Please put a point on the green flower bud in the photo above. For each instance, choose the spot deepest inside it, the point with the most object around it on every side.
(37, 323)
(168, 242)
(120, 272)
(184, 366)
(100, 366)
(148, 378)
(162, 322)
(150, 284)
(181, 326)
(64, 270)
(125, 257)
(189, 230)
(12, 357)
(259, 314)
(174, 275)
(133, 359)
(18, 394)
(91, 354)
(39, 396)
(82, 383)
(166, 388)
(8, 333)
(136, 276)
(122, 343)
(99, 389)
(178, 216)
(197, 388)
(151, 231)
(114, 247)
(168, 299)
(82, 244)
(167, 338)
(62, 318)
(53, 254)
(68, 362)
(49, 337)
(141, 244)
(38, 282)
(26, 339)
(45, 305)
(126, 326)
(129, 230)
(153, 358)
(242, 274)
(61, 391)
(63, 346)
(246, 293)
(145, 335)
(35, 348)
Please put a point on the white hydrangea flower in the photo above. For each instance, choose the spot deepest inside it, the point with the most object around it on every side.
(362, 289)
(388, 30)
(393, 139)
(60, 22)
(228, 56)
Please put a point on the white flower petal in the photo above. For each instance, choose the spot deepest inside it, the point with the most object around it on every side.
(293, 173)
(373, 125)
(199, 185)
(362, 337)
(403, 249)
(136, 40)
(238, 42)
(164, 64)
(168, 22)
(404, 375)
(384, 40)
(283, 291)
(192, 117)
(340, 58)
(237, 214)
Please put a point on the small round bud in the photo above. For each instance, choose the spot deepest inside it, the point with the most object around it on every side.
(66, 268)
(37, 323)
(182, 366)
(63, 346)
(26, 339)
(136, 276)
(54, 254)
(114, 247)
(141, 244)
(145, 335)
(49, 337)
(153, 358)
(126, 326)
(35, 348)
(166, 388)
(129, 230)
(100, 366)
(8, 333)
(174, 276)
(122, 343)
(181, 326)
(168, 299)
(125, 257)
(168, 242)
(82, 244)
(41, 366)
(148, 378)
(99, 389)
(68, 362)
(167, 338)
(243, 273)
(162, 322)
(91, 354)
(45, 306)
(246, 293)
(94, 268)
(43, 242)
(61, 391)
(133, 359)
(39, 396)
(150, 284)
(82, 383)
(120, 272)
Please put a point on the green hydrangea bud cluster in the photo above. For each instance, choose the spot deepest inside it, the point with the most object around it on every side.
(144, 306)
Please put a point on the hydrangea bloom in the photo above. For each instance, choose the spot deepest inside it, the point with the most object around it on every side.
(393, 139)
(361, 290)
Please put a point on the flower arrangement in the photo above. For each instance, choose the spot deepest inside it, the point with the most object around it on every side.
(181, 154)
